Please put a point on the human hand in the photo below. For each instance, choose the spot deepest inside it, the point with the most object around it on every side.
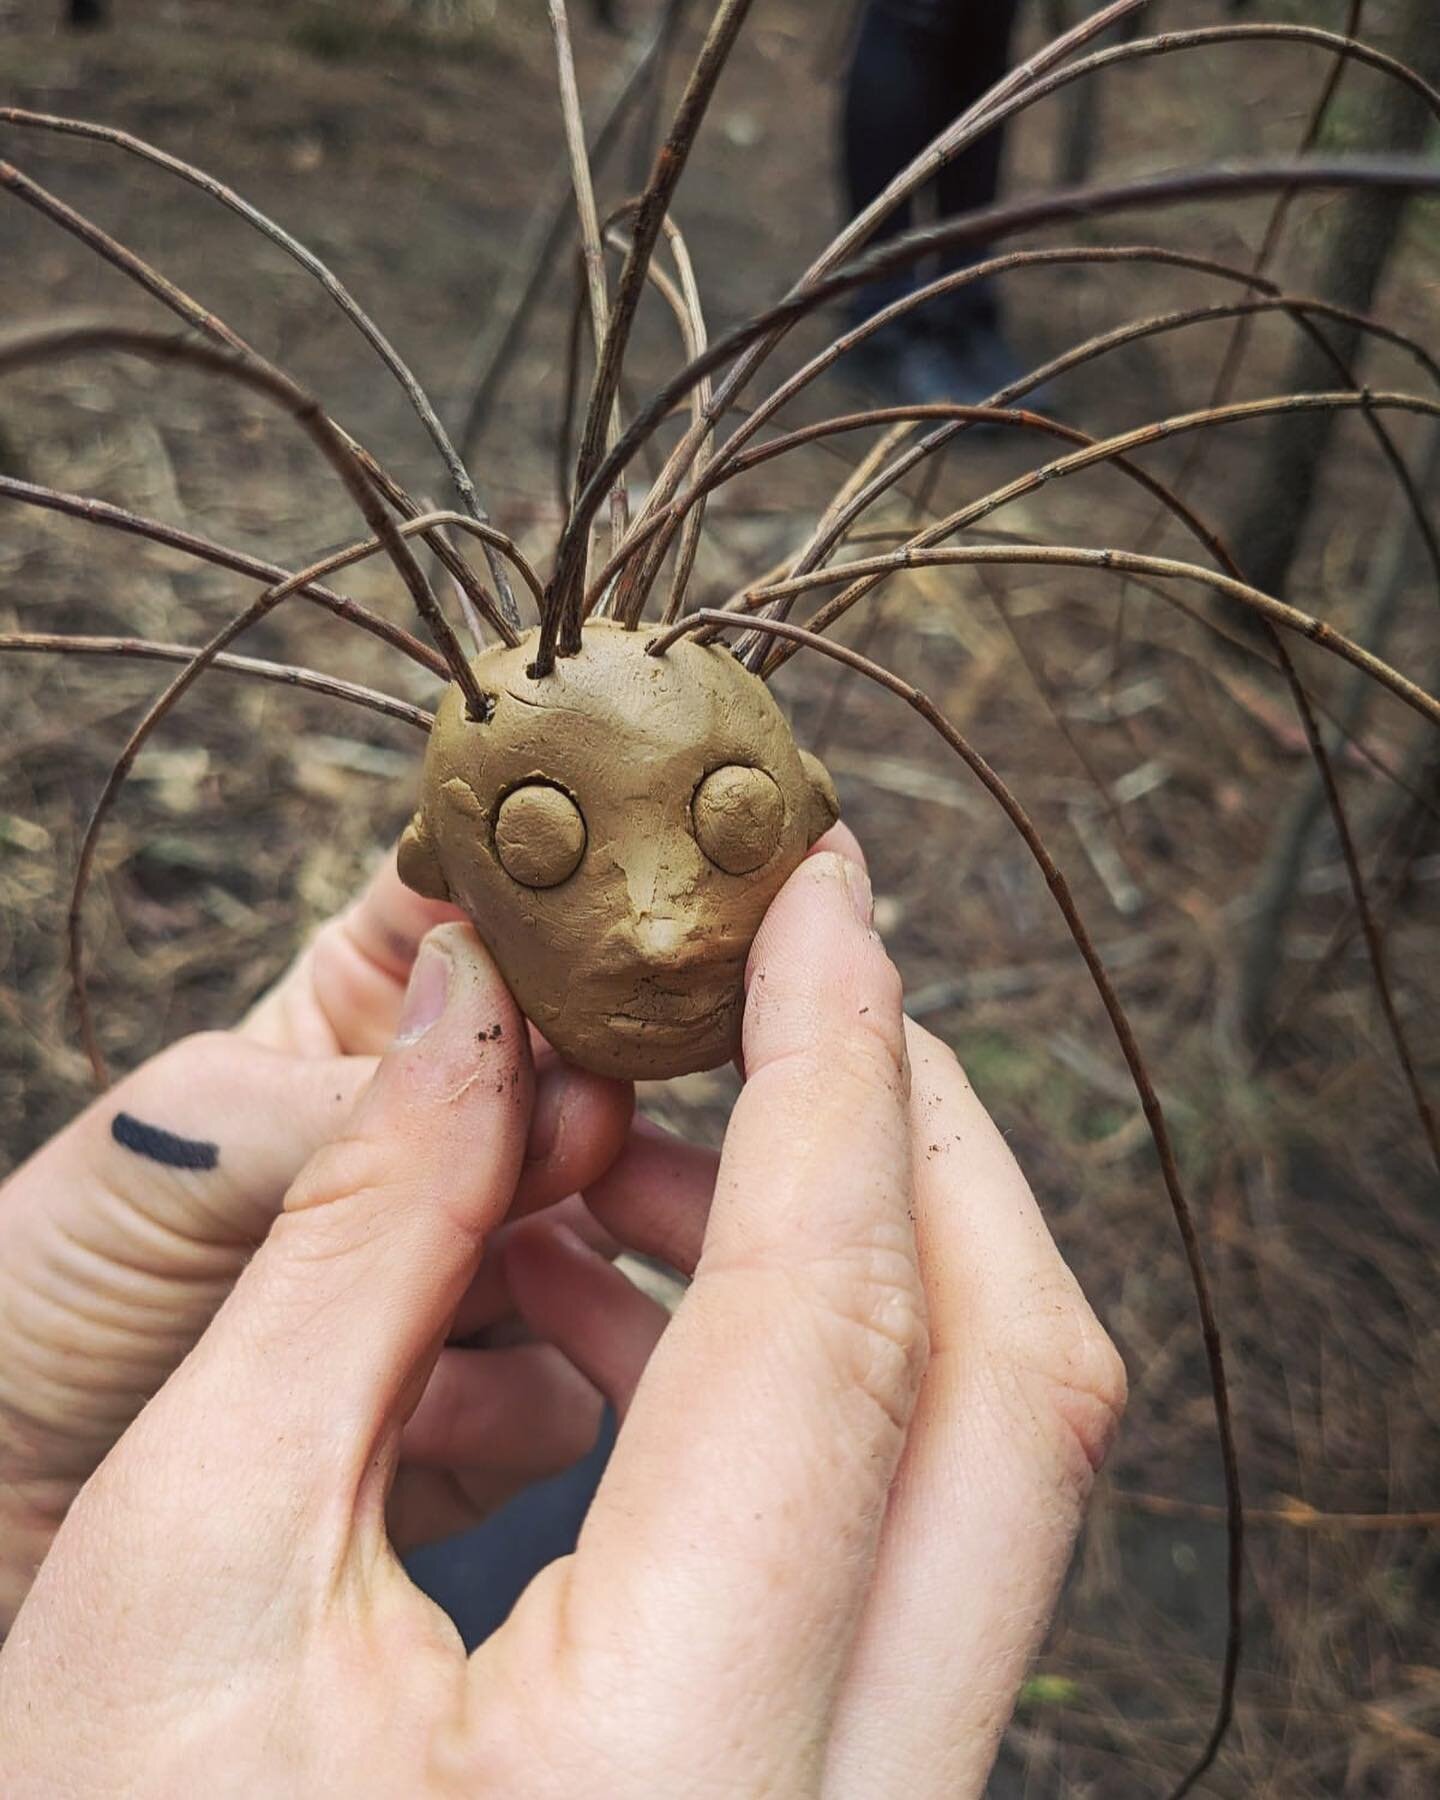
(118, 1239)
(844, 1491)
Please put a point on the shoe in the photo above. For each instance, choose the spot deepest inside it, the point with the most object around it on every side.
(965, 365)
(924, 366)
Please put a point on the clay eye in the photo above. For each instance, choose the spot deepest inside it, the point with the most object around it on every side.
(738, 813)
(539, 835)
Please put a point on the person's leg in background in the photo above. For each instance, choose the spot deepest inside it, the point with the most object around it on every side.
(916, 65)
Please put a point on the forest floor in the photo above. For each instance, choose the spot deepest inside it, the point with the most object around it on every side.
(1155, 759)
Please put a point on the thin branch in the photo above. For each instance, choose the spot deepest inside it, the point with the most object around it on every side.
(569, 402)
(1079, 556)
(1405, 173)
(48, 643)
(489, 535)
(185, 307)
(567, 586)
(1139, 1074)
(263, 378)
(307, 259)
(526, 275)
(592, 250)
(1296, 1515)
(119, 518)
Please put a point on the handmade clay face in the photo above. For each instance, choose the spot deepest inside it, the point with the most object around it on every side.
(616, 831)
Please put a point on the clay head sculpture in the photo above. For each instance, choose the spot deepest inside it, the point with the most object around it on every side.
(615, 831)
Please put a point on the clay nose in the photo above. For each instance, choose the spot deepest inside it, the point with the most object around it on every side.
(661, 927)
(670, 942)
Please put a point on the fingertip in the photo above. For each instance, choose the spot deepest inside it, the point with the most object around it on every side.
(389, 920)
(827, 892)
(571, 1296)
(817, 969)
(578, 1128)
(839, 840)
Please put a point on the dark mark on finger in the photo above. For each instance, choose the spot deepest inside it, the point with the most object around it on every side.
(163, 1147)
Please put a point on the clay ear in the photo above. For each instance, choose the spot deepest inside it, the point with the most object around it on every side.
(824, 801)
(419, 865)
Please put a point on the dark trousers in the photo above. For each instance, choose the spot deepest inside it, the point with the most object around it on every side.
(478, 1578)
(917, 64)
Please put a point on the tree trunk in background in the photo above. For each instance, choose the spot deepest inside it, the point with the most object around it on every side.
(1396, 572)
(87, 12)
(1362, 233)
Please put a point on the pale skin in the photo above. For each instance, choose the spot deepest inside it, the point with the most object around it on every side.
(848, 1477)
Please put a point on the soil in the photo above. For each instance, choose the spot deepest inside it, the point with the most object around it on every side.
(411, 150)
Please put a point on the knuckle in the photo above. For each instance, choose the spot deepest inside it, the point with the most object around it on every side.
(867, 1307)
(866, 1052)
(204, 1060)
(1070, 1371)
(882, 1014)
(346, 1166)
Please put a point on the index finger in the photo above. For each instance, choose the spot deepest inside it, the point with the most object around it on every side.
(739, 1517)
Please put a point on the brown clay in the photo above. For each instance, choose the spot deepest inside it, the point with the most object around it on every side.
(615, 831)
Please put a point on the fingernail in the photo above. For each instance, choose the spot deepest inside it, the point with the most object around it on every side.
(857, 885)
(426, 994)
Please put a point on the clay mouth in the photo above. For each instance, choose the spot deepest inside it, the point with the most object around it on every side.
(660, 1013)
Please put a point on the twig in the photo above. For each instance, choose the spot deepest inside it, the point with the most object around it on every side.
(1117, 561)
(561, 627)
(1139, 1074)
(525, 277)
(263, 378)
(55, 644)
(338, 292)
(592, 250)
(119, 518)
(1408, 174)
(1296, 1515)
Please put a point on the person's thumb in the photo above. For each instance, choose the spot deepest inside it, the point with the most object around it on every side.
(323, 1347)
